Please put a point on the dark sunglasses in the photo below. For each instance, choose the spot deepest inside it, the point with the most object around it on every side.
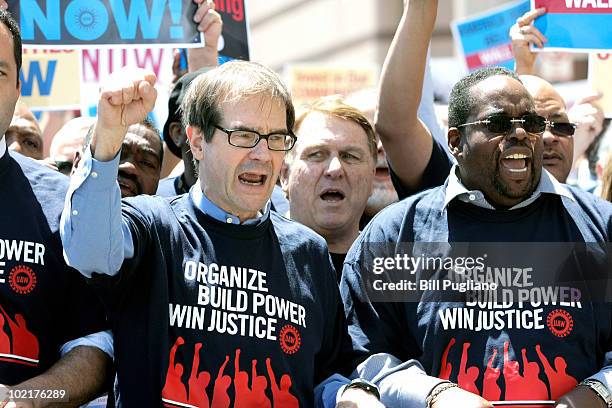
(64, 167)
(562, 129)
(502, 124)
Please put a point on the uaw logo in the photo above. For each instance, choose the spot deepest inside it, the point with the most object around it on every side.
(22, 279)
(290, 339)
(560, 323)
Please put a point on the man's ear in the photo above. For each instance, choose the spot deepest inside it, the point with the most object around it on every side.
(75, 162)
(196, 138)
(177, 134)
(454, 142)
(284, 177)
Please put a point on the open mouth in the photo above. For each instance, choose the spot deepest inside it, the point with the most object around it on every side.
(332, 196)
(252, 179)
(515, 163)
(382, 172)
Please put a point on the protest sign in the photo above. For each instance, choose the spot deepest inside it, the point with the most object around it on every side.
(45, 77)
(483, 39)
(575, 25)
(234, 41)
(98, 64)
(308, 82)
(600, 68)
(104, 23)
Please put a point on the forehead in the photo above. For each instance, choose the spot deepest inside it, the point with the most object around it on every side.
(20, 123)
(259, 112)
(143, 137)
(320, 129)
(500, 93)
(6, 46)
(549, 103)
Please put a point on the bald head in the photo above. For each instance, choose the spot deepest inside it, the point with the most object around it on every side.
(558, 149)
(68, 142)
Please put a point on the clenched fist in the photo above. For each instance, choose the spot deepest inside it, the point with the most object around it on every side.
(128, 96)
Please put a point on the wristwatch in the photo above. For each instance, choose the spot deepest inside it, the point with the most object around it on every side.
(365, 385)
(600, 389)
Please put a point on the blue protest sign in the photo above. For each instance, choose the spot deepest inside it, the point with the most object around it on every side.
(99, 23)
(483, 39)
(575, 25)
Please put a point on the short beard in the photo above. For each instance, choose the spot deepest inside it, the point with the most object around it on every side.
(505, 191)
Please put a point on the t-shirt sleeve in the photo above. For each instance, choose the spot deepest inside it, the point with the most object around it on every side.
(137, 217)
(435, 173)
(84, 311)
(375, 327)
(337, 352)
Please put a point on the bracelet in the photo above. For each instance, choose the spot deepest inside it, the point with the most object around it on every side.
(436, 391)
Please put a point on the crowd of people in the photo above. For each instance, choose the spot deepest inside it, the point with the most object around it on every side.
(236, 243)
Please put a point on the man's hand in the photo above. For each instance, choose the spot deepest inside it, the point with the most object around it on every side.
(210, 24)
(523, 33)
(6, 402)
(588, 116)
(580, 397)
(456, 397)
(126, 99)
(358, 398)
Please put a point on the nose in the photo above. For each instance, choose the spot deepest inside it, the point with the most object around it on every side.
(261, 152)
(127, 166)
(379, 146)
(518, 132)
(549, 137)
(334, 168)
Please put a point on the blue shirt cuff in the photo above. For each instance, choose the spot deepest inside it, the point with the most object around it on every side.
(102, 340)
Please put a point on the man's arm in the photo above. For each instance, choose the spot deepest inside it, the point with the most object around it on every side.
(379, 331)
(407, 141)
(210, 25)
(93, 236)
(523, 33)
(81, 373)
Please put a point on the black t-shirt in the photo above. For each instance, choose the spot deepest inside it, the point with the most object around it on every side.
(435, 173)
(227, 315)
(502, 350)
(172, 186)
(43, 302)
(338, 262)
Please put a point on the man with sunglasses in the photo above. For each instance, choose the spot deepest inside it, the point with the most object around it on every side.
(475, 353)
(210, 283)
(558, 136)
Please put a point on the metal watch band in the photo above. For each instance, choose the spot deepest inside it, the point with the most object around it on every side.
(365, 385)
(600, 389)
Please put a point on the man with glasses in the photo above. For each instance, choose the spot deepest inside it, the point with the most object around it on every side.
(477, 351)
(214, 300)
(558, 136)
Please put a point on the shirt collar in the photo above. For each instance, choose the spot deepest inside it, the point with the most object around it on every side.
(455, 189)
(2, 146)
(212, 210)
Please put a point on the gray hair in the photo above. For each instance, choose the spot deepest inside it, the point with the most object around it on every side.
(231, 81)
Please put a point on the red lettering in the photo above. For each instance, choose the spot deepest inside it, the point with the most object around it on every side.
(235, 8)
(148, 60)
(91, 62)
